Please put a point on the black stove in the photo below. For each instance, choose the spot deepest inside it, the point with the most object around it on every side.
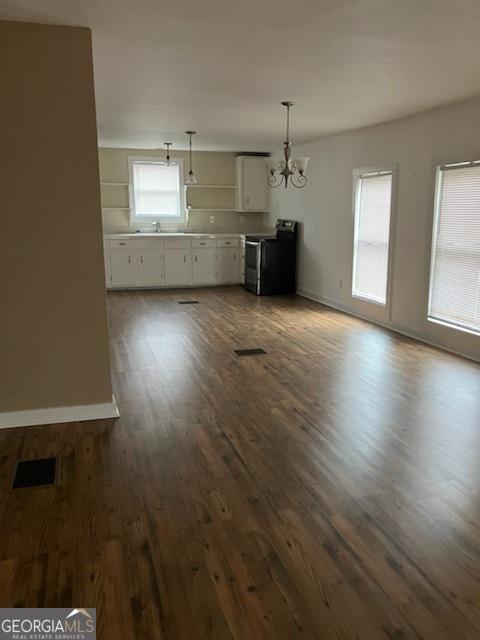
(270, 261)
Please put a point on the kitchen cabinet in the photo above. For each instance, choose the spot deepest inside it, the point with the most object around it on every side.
(174, 261)
(178, 266)
(150, 271)
(204, 266)
(228, 265)
(123, 271)
(252, 187)
(106, 262)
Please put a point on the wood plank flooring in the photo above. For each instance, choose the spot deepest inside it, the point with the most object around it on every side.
(327, 489)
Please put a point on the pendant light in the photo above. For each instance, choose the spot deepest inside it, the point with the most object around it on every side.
(168, 162)
(191, 176)
(289, 170)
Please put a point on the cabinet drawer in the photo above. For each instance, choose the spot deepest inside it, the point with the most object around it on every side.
(148, 243)
(118, 244)
(203, 242)
(227, 242)
(177, 243)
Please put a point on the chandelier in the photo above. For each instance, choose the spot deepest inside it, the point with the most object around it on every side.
(290, 170)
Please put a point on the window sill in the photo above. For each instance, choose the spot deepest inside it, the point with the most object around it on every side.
(451, 325)
(377, 303)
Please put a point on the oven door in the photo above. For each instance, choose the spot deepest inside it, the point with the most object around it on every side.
(253, 259)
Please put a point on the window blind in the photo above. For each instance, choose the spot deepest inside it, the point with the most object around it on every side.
(156, 189)
(372, 232)
(455, 271)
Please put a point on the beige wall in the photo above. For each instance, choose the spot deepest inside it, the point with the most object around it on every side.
(211, 167)
(53, 325)
(324, 207)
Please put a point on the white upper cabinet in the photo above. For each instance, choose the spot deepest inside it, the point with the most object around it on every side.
(252, 183)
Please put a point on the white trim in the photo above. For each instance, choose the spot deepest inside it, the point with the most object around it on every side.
(53, 415)
(358, 175)
(135, 219)
(391, 326)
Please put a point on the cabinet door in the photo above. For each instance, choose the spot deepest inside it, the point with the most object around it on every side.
(228, 265)
(178, 266)
(106, 262)
(255, 185)
(204, 266)
(149, 266)
(122, 267)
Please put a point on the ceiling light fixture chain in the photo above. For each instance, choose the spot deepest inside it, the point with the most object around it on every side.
(167, 159)
(191, 175)
(289, 170)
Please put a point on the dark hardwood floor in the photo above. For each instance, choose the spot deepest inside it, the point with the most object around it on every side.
(327, 489)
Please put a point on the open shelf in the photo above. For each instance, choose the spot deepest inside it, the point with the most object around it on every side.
(211, 209)
(210, 186)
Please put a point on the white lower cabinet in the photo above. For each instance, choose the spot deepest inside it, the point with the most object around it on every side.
(172, 262)
(178, 266)
(228, 265)
(123, 268)
(150, 271)
(204, 266)
(106, 262)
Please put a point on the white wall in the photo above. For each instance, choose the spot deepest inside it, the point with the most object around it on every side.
(324, 207)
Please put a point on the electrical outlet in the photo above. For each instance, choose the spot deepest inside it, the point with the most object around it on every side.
(212, 219)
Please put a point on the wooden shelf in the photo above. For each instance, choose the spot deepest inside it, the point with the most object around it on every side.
(210, 186)
(211, 209)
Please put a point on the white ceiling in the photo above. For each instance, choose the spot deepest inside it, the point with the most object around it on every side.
(223, 66)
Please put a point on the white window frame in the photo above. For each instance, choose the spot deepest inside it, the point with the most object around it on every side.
(150, 219)
(357, 175)
(433, 240)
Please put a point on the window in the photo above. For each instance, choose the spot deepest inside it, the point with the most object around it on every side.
(156, 190)
(373, 203)
(454, 295)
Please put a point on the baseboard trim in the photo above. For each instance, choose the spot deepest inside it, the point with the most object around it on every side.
(54, 415)
(391, 326)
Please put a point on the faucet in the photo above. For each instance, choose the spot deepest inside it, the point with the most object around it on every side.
(157, 225)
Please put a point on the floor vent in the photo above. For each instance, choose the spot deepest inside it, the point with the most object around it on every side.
(249, 352)
(188, 302)
(35, 473)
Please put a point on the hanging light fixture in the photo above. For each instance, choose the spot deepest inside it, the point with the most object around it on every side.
(290, 170)
(191, 176)
(167, 159)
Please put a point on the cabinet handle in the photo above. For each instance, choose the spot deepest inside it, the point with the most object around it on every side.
(129, 259)
(227, 242)
(203, 243)
(141, 259)
(234, 257)
(195, 258)
(184, 258)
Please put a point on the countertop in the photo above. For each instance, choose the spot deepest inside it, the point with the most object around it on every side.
(173, 234)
